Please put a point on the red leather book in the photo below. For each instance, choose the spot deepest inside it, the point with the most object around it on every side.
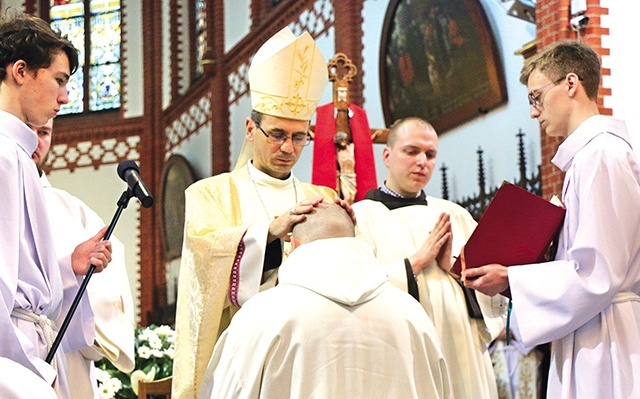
(516, 229)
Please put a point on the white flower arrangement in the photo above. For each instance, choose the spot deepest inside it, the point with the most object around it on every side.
(154, 349)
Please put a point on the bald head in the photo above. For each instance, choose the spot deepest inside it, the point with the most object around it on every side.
(407, 126)
(327, 220)
(410, 156)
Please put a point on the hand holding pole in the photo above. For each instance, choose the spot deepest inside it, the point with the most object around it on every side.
(136, 188)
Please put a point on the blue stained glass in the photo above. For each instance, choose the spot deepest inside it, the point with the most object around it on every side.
(76, 94)
(201, 35)
(104, 32)
(73, 29)
(105, 38)
(201, 20)
(104, 87)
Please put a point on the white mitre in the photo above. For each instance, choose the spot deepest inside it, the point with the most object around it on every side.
(287, 77)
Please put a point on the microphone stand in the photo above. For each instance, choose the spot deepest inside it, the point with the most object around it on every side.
(122, 203)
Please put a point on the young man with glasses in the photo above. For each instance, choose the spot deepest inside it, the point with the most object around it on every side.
(237, 224)
(585, 301)
(535, 96)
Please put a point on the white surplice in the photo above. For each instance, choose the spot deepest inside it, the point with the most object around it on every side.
(334, 328)
(18, 382)
(30, 277)
(586, 301)
(73, 222)
(399, 233)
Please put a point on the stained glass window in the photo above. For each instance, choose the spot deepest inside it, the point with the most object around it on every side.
(201, 35)
(93, 26)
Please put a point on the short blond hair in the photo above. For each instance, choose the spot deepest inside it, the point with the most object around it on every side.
(397, 125)
(564, 58)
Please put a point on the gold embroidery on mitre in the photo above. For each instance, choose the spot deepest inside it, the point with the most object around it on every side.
(301, 87)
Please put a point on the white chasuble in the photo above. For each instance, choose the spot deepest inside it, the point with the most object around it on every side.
(334, 328)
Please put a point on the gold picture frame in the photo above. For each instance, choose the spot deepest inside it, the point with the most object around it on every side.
(439, 61)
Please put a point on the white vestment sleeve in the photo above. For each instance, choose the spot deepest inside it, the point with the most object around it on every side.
(397, 274)
(18, 382)
(16, 264)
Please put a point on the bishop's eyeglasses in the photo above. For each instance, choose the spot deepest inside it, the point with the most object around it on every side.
(297, 139)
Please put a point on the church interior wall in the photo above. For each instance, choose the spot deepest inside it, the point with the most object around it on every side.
(196, 148)
(237, 21)
(12, 4)
(624, 80)
(238, 114)
(494, 132)
(237, 24)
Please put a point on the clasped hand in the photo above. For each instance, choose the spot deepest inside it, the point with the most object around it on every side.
(437, 247)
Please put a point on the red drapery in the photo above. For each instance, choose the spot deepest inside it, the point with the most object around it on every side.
(324, 151)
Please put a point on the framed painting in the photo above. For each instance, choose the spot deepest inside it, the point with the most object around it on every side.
(177, 175)
(439, 61)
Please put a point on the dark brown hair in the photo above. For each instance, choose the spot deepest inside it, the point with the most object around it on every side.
(28, 38)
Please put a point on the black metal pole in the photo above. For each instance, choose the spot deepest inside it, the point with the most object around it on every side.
(122, 203)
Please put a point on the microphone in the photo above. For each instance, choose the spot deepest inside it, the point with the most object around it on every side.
(129, 172)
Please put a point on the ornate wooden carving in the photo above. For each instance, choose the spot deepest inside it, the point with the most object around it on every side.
(341, 73)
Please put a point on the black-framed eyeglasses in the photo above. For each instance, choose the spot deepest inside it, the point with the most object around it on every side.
(535, 96)
(297, 139)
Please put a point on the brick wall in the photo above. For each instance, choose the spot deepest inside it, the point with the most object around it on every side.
(348, 36)
(552, 20)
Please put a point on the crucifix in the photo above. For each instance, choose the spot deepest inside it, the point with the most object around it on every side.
(343, 152)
